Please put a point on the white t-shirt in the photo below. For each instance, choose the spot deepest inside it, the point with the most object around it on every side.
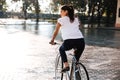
(70, 30)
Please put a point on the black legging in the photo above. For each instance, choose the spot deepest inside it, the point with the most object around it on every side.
(77, 44)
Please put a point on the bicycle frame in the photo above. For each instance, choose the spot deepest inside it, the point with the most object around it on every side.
(72, 72)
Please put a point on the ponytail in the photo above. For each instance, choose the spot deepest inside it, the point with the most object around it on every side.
(71, 13)
(70, 10)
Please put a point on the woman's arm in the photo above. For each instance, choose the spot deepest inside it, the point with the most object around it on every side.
(58, 25)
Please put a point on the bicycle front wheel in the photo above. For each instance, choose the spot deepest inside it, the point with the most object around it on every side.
(58, 68)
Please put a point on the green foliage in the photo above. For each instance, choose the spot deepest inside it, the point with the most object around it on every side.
(96, 8)
(55, 5)
(78, 4)
(15, 0)
(2, 3)
(29, 4)
(54, 8)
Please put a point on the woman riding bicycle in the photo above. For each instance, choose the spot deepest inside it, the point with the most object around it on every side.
(72, 36)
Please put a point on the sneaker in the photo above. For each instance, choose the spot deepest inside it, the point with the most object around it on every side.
(65, 69)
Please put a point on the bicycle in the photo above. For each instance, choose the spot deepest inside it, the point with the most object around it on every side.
(77, 71)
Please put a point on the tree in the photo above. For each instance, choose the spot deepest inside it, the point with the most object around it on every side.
(3, 7)
(2, 3)
(55, 5)
(98, 7)
(77, 4)
(37, 10)
(95, 10)
(27, 5)
(110, 9)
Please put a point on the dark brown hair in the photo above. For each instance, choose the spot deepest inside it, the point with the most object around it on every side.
(70, 10)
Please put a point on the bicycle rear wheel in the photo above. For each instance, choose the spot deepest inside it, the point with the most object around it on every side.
(81, 72)
(58, 68)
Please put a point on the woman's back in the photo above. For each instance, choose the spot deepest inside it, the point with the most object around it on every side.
(70, 30)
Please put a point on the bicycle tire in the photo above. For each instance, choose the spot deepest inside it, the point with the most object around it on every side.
(82, 73)
(58, 68)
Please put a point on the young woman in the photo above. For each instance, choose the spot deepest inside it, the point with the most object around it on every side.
(72, 36)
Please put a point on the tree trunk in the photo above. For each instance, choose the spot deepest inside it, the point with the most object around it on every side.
(99, 14)
(37, 11)
(108, 17)
(25, 10)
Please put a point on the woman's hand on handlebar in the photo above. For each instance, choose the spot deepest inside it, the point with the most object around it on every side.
(52, 42)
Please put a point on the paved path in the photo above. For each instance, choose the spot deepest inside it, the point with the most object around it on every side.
(103, 63)
(27, 56)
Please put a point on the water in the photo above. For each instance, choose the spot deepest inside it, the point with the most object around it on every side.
(102, 37)
(99, 37)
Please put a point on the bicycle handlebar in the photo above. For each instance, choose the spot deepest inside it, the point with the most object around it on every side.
(55, 43)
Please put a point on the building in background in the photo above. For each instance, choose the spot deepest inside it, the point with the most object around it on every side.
(118, 14)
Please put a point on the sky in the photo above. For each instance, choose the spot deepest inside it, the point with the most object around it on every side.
(17, 6)
(14, 6)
